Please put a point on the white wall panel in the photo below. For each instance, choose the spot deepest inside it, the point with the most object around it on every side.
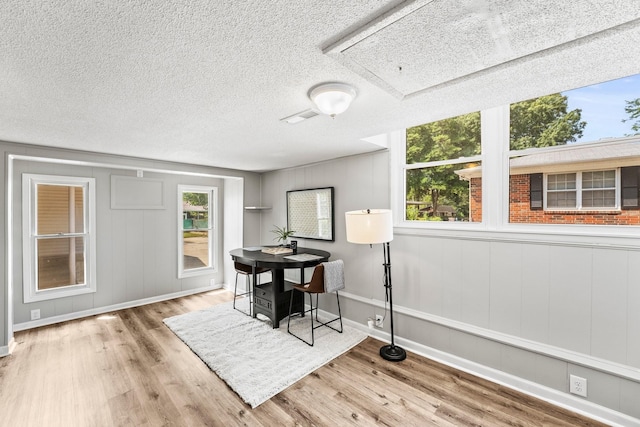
(432, 283)
(62, 306)
(609, 305)
(629, 392)
(81, 303)
(359, 184)
(519, 362)
(151, 254)
(551, 372)
(134, 246)
(506, 288)
(633, 312)
(452, 280)
(570, 298)
(165, 274)
(476, 282)
(118, 235)
(104, 246)
(6, 308)
(475, 348)
(409, 275)
(534, 316)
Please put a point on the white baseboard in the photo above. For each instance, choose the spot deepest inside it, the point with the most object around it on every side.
(6, 350)
(558, 398)
(585, 360)
(101, 310)
(547, 394)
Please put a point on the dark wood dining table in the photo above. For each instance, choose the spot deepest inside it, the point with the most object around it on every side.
(272, 299)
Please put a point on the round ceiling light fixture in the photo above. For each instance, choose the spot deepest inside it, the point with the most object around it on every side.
(332, 98)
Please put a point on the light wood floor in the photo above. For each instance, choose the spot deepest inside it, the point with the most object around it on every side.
(127, 368)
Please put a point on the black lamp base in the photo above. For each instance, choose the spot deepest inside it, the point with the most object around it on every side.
(393, 353)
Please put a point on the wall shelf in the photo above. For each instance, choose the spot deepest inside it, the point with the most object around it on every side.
(256, 208)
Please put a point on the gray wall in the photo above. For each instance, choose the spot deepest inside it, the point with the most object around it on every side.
(537, 311)
(136, 249)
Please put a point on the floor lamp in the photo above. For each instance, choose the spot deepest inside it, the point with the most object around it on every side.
(373, 226)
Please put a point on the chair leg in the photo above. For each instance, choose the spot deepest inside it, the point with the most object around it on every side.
(339, 312)
(235, 291)
(301, 315)
(327, 324)
(311, 316)
(248, 291)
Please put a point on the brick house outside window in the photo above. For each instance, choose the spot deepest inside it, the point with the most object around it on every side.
(591, 183)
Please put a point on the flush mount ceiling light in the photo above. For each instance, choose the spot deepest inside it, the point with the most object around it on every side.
(332, 98)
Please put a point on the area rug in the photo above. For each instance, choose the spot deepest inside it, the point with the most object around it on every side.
(254, 359)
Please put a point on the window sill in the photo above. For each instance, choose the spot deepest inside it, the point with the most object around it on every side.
(68, 291)
(199, 272)
(607, 236)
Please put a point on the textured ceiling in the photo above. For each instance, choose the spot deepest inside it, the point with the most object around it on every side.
(428, 43)
(207, 82)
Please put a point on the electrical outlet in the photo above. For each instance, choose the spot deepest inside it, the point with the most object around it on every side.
(379, 320)
(35, 314)
(578, 385)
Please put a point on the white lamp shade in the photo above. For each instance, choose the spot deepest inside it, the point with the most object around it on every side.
(369, 226)
(332, 98)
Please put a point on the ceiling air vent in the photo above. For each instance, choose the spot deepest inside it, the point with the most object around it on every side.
(297, 118)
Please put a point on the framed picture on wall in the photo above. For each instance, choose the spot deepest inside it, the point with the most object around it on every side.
(310, 213)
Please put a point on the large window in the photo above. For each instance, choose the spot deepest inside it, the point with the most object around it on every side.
(59, 236)
(196, 242)
(569, 151)
(435, 154)
(568, 158)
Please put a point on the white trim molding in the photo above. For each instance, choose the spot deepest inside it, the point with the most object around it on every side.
(547, 394)
(585, 360)
(110, 308)
(6, 350)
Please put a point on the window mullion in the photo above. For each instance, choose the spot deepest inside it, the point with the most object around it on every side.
(495, 166)
(579, 190)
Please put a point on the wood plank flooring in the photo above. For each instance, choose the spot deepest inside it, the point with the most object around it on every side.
(127, 368)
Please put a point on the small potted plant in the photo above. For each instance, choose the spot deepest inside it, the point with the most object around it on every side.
(282, 234)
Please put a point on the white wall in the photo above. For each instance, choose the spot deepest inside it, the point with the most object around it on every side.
(136, 248)
(532, 310)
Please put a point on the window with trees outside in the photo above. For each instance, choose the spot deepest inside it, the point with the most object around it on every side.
(59, 236)
(573, 158)
(435, 153)
(196, 240)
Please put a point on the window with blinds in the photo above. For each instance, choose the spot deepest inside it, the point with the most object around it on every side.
(58, 236)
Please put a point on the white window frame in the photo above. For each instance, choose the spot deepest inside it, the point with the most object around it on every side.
(30, 238)
(578, 190)
(495, 223)
(212, 228)
(494, 146)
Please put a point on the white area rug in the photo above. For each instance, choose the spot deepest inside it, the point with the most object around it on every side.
(254, 359)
